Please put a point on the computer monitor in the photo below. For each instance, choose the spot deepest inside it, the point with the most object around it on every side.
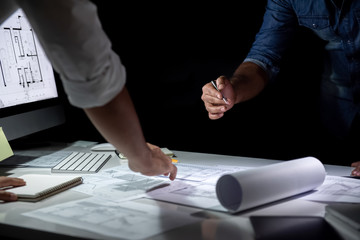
(29, 97)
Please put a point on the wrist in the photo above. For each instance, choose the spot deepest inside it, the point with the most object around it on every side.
(140, 159)
(248, 81)
(237, 83)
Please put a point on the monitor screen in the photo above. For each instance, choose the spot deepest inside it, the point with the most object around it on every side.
(29, 100)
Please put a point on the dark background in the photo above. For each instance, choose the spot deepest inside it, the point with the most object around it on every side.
(171, 50)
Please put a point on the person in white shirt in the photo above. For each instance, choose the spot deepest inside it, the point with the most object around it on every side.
(92, 75)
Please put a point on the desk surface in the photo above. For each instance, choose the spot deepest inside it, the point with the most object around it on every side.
(213, 225)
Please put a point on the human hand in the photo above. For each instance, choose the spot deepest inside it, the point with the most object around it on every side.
(9, 182)
(158, 164)
(356, 171)
(213, 100)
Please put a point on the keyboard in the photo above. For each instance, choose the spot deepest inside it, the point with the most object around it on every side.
(80, 162)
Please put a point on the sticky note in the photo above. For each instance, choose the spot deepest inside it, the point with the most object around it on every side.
(5, 149)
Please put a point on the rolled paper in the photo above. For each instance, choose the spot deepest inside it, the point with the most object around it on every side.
(251, 188)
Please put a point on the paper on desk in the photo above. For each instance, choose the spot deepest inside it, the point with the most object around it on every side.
(247, 189)
(195, 186)
(128, 220)
(121, 184)
(5, 149)
(337, 189)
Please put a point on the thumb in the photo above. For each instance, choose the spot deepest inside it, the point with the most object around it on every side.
(221, 82)
(7, 196)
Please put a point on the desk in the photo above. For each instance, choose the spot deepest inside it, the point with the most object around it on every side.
(211, 223)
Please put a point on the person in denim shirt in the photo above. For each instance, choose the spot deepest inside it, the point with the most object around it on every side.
(336, 22)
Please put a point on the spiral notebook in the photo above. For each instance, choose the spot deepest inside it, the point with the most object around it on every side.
(42, 186)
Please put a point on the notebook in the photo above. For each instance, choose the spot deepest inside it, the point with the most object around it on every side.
(42, 186)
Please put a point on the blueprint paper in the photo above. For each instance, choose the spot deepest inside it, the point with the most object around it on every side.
(246, 189)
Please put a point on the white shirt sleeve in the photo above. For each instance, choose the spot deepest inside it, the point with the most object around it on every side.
(80, 51)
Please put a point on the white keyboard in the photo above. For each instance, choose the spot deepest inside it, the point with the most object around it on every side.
(79, 162)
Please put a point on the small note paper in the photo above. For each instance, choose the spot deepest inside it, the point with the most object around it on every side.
(5, 149)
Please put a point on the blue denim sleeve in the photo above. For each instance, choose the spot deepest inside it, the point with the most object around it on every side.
(274, 37)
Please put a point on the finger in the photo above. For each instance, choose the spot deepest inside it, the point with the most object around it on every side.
(216, 111)
(213, 100)
(215, 116)
(11, 181)
(173, 173)
(356, 172)
(7, 196)
(152, 146)
(221, 82)
(210, 92)
(216, 108)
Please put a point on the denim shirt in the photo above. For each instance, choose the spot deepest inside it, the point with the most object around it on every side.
(339, 27)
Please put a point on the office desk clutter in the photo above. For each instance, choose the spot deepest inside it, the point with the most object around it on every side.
(235, 189)
(115, 200)
(111, 209)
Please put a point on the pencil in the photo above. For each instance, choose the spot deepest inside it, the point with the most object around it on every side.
(214, 84)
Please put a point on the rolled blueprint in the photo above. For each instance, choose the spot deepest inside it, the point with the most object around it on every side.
(251, 188)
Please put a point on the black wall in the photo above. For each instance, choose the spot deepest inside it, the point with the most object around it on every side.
(171, 50)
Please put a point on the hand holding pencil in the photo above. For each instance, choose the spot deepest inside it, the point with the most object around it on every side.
(218, 97)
